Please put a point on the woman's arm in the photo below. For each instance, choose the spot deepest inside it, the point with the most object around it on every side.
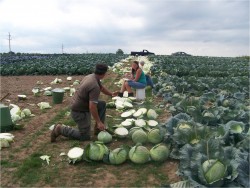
(131, 75)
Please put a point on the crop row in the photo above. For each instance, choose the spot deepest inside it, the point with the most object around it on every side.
(208, 98)
(198, 74)
(55, 64)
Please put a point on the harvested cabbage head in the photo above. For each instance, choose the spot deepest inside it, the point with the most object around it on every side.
(152, 123)
(36, 91)
(104, 137)
(159, 153)
(140, 136)
(118, 156)
(26, 112)
(139, 154)
(151, 114)
(121, 132)
(75, 154)
(154, 136)
(96, 150)
(140, 123)
(44, 105)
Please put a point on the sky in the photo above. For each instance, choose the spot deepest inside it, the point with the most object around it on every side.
(197, 27)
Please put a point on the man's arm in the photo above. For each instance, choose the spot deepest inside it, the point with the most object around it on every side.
(94, 113)
(107, 92)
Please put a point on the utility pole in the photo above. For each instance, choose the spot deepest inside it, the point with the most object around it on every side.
(9, 42)
(62, 48)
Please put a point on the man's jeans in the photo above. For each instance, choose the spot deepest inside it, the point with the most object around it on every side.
(83, 120)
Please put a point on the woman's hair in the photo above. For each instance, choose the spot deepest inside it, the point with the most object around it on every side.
(134, 70)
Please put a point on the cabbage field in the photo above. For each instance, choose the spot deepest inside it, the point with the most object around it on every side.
(209, 132)
(192, 130)
(54, 64)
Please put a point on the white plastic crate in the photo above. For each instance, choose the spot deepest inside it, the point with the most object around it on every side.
(140, 94)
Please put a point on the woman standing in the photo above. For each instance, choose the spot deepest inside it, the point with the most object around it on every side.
(137, 80)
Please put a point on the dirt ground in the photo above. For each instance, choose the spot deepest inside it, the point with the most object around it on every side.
(37, 136)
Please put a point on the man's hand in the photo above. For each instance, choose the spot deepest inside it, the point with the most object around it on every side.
(115, 93)
(101, 126)
(94, 112)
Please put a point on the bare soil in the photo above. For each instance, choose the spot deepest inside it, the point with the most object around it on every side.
(34, 137)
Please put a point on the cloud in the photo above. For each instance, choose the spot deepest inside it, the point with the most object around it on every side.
(161, 26)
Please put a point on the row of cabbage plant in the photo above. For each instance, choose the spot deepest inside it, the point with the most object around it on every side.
(56, 64)
(209, 128)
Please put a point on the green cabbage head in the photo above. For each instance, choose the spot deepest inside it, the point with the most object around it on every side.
(154, 136)
(151, 114)
(159, 152)
(213, 170)
(140, 136)
(96, 151)
(139, 154)
(118, 156)
(104, 137)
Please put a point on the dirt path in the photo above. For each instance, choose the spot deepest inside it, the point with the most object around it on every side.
(34, 138)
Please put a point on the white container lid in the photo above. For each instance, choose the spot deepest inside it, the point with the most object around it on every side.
(58, 90)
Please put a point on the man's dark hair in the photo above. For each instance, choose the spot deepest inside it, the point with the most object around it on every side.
(101, 68)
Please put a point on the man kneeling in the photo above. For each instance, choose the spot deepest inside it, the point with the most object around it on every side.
(85, 103)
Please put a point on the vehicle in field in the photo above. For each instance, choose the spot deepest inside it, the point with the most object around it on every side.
(142, 53)
(180, 54)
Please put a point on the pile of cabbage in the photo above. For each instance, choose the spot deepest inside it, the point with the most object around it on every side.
(47, 91)
(142, 128)
(138, 154)
(121, 103)
(17, 113)
(141, 123)
(6, 139)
